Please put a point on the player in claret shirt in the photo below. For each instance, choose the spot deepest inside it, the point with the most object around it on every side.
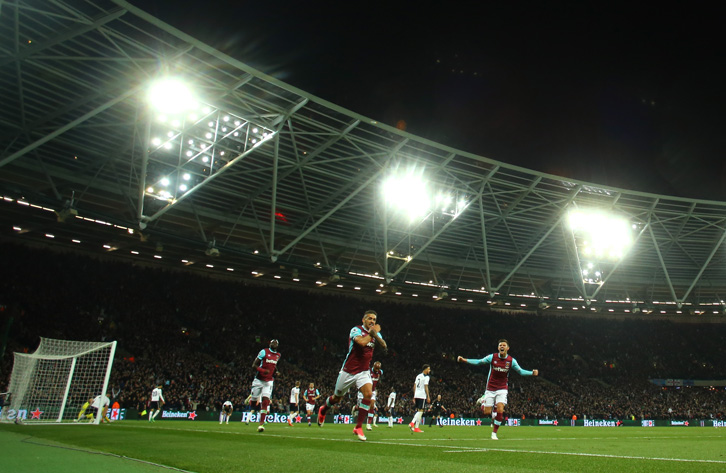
(265, 363)
(376, 373)
(356, 369)
(311, 397)
(497, 385)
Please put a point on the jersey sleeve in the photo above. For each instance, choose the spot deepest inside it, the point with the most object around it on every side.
(261, 355)
(518, 369)
(482, 361)
(355, 332)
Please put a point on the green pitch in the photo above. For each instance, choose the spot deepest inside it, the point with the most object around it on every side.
(207, 447)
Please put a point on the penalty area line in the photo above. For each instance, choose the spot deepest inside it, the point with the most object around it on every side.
(578, 454)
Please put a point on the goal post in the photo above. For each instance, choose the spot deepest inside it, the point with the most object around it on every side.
(52, 384)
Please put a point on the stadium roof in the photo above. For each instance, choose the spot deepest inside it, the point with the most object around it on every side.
(291, 184)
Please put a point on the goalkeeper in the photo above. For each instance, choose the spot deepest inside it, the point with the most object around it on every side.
(83, 410)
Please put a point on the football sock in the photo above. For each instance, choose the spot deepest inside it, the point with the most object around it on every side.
(498, 421)
(263, 411)
(417, 419)
(362, 413)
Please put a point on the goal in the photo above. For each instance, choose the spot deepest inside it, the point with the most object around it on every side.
(52, 384)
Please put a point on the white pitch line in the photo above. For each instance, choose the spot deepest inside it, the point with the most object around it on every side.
(602, 455)
(461, 449)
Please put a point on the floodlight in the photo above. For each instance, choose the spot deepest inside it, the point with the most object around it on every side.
(408, 192)
(171, 96)
(602, 235)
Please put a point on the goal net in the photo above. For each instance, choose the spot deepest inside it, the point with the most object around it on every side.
(52, 384)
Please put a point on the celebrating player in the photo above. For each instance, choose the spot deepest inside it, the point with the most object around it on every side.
(356, 369)
(497, 385)
(311, 396)
(265, 363)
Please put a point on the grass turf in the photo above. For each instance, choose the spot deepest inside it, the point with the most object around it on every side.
(207, 447)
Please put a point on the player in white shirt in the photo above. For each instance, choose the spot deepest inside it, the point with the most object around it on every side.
(157, 401)
(294, 403)
(226, 412)
(389, 407)
(100, 404)
(420, 397)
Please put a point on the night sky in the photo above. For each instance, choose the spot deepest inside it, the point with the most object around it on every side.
(627, 96)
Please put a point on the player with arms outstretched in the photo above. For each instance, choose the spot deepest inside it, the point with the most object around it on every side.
(265, 363)
(497, 385)
(362, 340)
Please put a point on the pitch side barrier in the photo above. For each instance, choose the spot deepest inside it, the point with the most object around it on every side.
(277, 418)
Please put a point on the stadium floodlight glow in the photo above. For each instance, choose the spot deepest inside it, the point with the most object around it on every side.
(408, 192)
(602, 235)
(171, 96)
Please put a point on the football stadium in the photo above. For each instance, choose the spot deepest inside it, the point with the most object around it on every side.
(207, 269)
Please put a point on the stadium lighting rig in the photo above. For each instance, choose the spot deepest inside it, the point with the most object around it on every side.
(600, 235)
(411, 194)
(189, 143)
(601, 240)
(410, 199)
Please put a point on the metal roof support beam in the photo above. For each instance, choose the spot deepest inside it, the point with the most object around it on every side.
(69, 126)
(444, 227)
(488, 274)
(144, 167)
(205, 182)
(211, 177)
(617, 265)
(703, 268)
(385, 243)
(273, 204)
(330, 212)
(65, 36)
(488, 278)
(510, 208)
(539, 243)
(579, 282)
(663, 265)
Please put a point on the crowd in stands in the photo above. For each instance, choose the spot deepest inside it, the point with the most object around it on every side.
(198, 337)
